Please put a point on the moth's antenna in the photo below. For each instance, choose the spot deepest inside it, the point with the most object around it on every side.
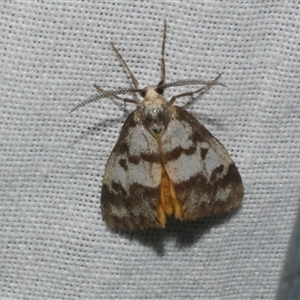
(134, 80)
(162, 64)
(110, 93)
(198, 91)
(189, 81)
(100, 90)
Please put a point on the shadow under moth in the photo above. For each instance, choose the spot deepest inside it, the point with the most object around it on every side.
(164, 162)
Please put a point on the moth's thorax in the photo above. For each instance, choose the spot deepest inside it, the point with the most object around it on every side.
(153, 111)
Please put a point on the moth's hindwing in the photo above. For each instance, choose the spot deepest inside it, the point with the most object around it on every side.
(186, 173)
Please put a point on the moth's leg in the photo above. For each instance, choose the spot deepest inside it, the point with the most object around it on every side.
(134, 80)
(162, 63)
(125, 100)
(201, 90)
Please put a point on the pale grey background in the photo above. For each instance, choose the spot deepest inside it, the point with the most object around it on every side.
(54, 243)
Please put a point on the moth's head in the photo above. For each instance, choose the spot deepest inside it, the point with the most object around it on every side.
(153, 112)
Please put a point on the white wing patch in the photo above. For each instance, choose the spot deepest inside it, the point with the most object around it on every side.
(184, 167)
(146, 173)
(214, 160)
(179, 135)
(176, 135)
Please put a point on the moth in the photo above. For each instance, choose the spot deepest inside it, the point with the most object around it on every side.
(164, 162)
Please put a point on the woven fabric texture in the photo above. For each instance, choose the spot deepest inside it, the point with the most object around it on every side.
(54, 243)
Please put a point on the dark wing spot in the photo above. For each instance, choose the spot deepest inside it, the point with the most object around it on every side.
(197, 137)
(118, 189)
(151, 157)
(217, 171)
(203, 153)
(122, 148)
(134, 159)
(232, 177)
(176, 152)
(123, 164)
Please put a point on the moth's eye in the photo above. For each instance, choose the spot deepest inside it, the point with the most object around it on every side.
(142, 93)
(159, 90)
